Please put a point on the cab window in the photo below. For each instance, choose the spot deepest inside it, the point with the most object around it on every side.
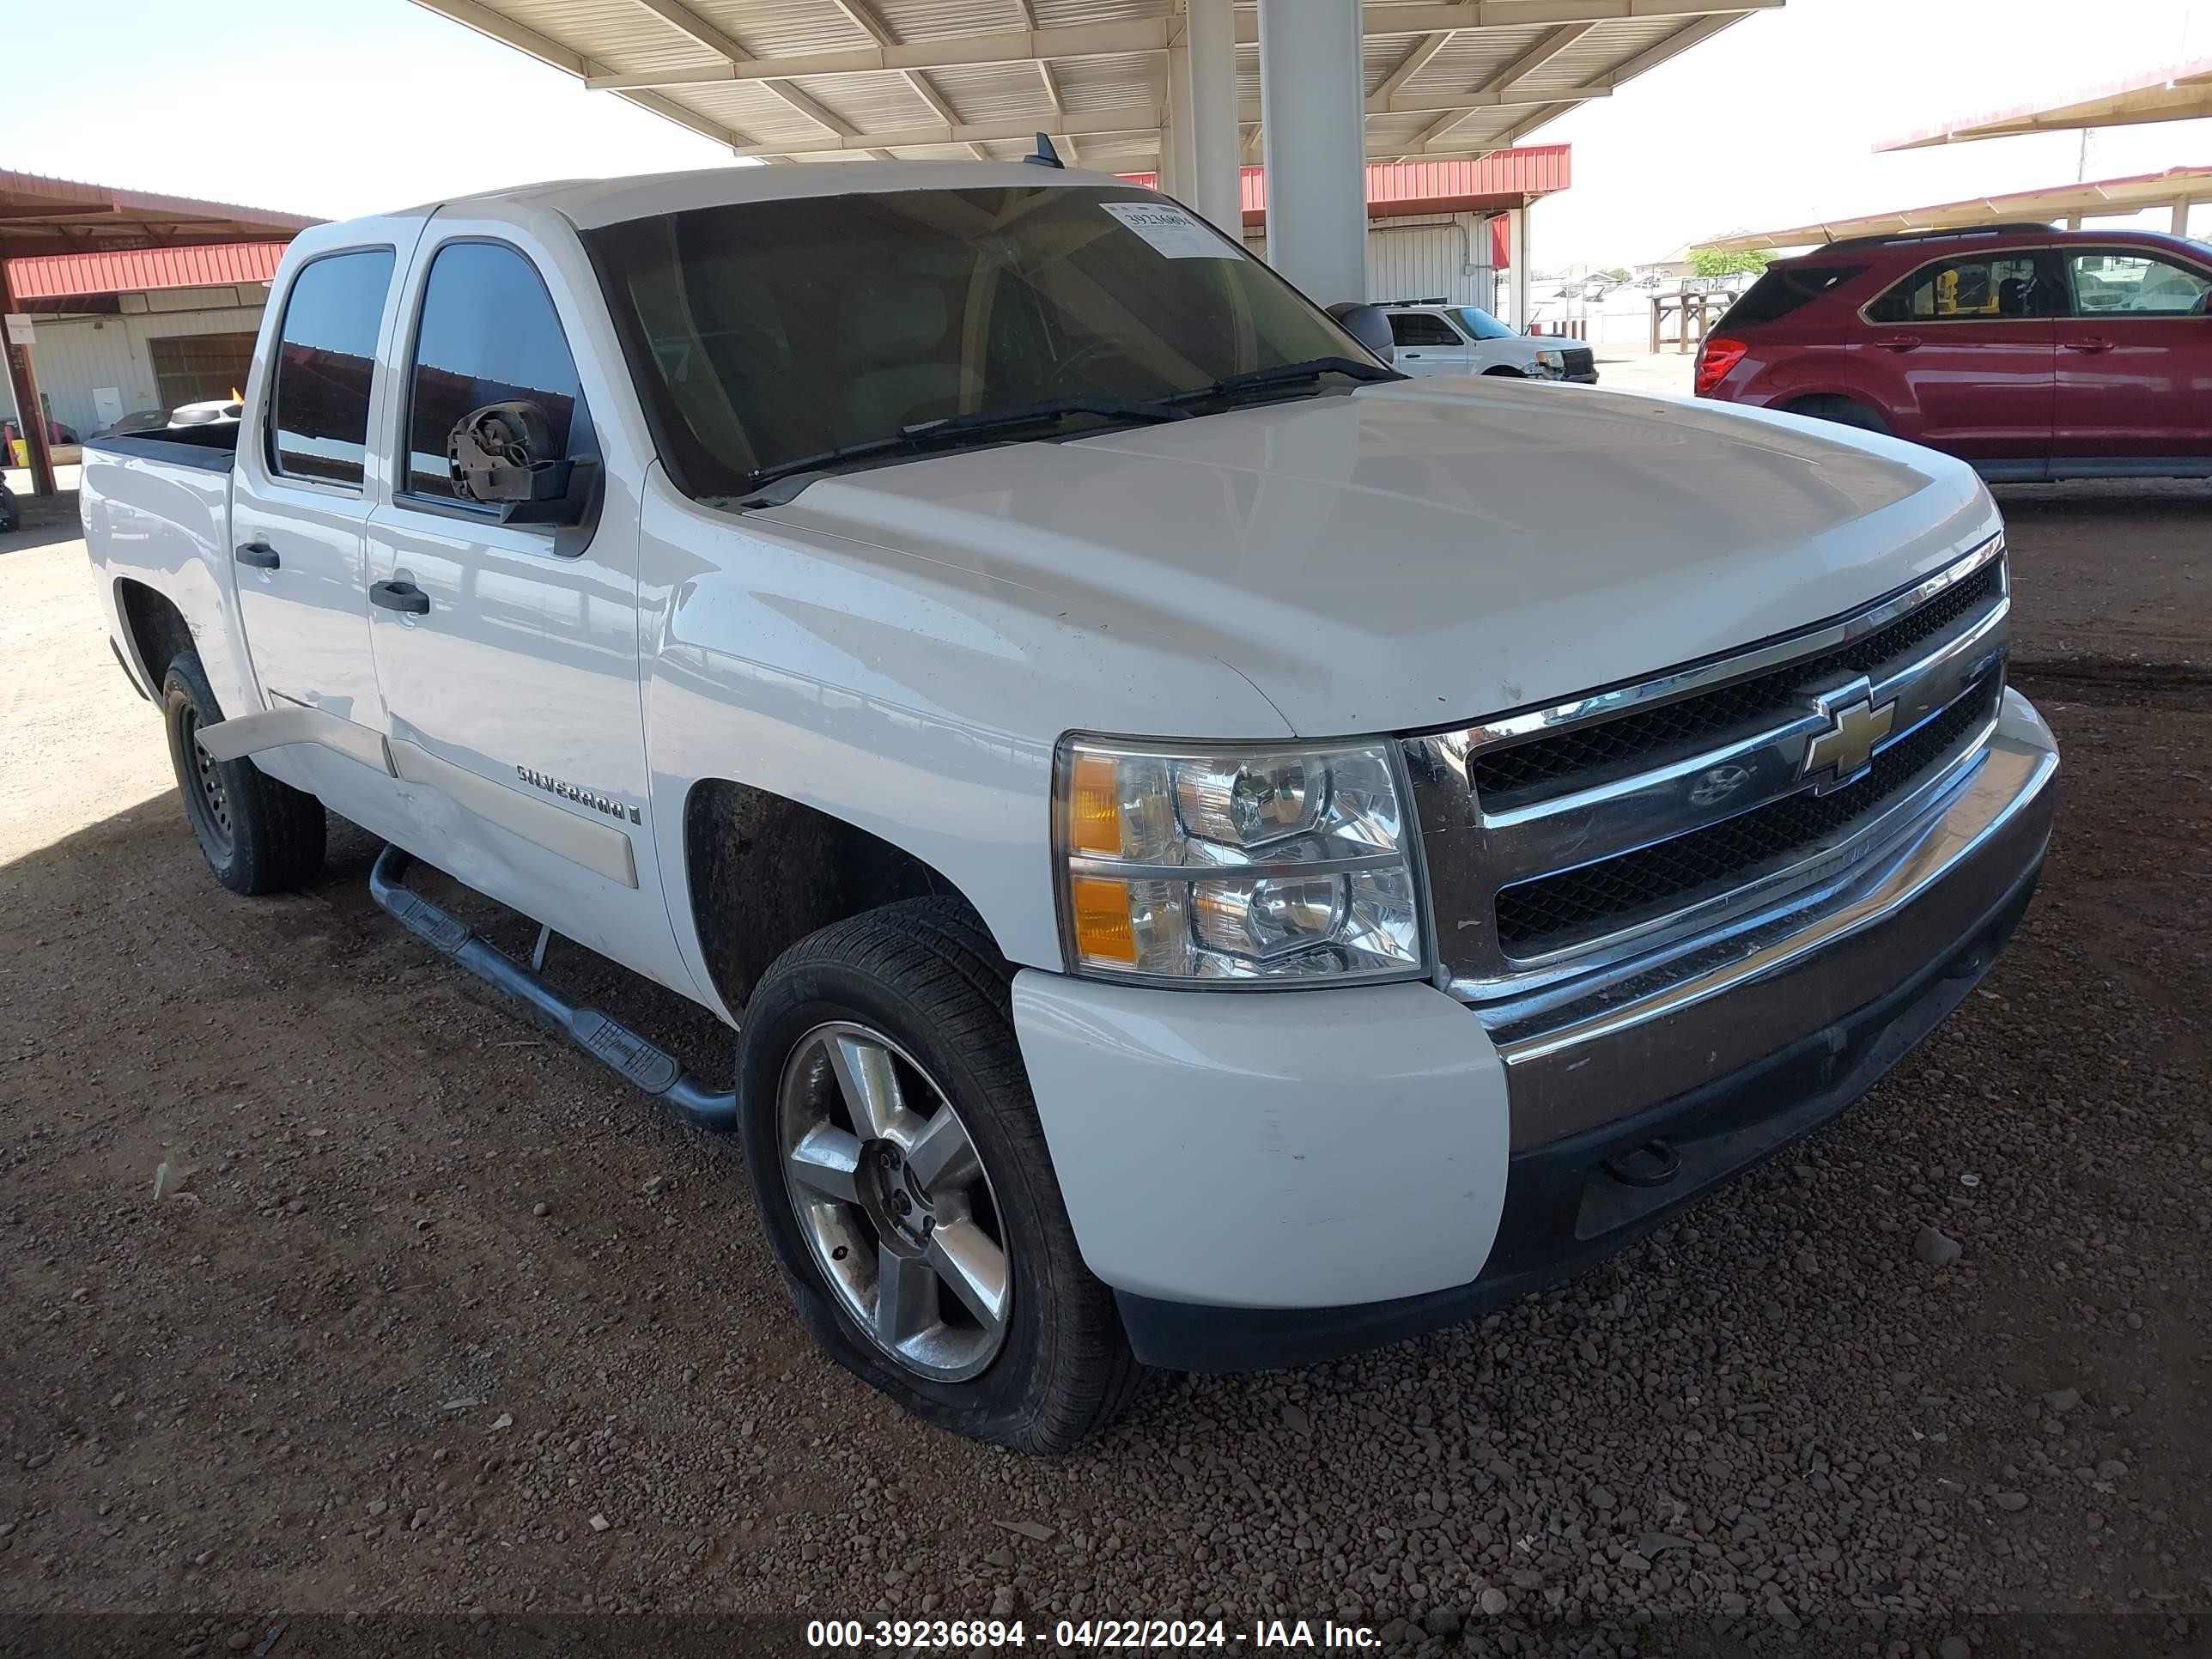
(1975, 287)
(1421, 328)
(488, 334)
(326, 357)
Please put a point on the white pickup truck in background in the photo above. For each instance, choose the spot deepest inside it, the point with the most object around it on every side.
(1215, 854)
(1431, 336)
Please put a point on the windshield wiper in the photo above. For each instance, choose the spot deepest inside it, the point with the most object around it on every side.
(1052, 408)
(925, 435)
(1284, 374)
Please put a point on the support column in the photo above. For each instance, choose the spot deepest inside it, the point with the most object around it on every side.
(2180, 225)
(1178, 166)
(1175, 136)
(30, 407)
(1313, 104)
(1517, 256)
(1215, 184)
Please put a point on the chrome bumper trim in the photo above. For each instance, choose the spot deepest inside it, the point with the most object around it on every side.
(1578, 1055)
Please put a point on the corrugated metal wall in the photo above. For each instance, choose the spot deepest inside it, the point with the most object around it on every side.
(1424, 258)
(75, 354)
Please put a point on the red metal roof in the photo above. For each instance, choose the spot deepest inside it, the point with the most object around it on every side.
(1503, 178)
(66, 274)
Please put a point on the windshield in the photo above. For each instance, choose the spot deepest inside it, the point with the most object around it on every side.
(1481, 325)
(766, 332)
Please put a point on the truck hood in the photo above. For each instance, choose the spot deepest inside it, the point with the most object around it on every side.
(1424, 552)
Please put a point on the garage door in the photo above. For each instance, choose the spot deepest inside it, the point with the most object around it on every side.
(197, 369)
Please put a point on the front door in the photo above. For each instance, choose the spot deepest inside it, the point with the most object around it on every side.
(2135, 358)
(1962, 352)
(303, 489)
(506, 654)
(1426, 344)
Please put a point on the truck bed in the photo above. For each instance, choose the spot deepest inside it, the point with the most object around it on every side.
(210, 448)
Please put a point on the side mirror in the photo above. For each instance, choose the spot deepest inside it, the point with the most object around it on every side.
(502, 455)
(1369, 325)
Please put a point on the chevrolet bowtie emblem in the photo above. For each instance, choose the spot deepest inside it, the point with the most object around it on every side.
(1855, 725)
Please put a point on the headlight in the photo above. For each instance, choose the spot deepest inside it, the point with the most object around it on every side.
(1552, 359)
(1236, 862)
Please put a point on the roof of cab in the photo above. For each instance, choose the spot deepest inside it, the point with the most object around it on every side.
(591, 203)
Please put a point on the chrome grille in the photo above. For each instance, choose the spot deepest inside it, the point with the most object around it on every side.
(1580, 755)
(1577, 835)
(1543, 915)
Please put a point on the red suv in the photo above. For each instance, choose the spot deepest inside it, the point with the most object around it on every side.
(2033, 352)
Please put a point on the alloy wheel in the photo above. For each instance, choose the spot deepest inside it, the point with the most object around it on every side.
(892, 1198)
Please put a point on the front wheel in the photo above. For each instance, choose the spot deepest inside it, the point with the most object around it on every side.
(905, 1185)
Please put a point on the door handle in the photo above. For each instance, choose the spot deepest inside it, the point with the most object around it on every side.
(1409, 356)
(1900, 342)
(2094, 342)
(399, 596)
(259, 555)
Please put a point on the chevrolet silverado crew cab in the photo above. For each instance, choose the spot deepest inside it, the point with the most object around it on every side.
(1215, 854)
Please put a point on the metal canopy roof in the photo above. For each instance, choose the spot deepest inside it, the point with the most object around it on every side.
(2183, 93)
(950, 79)
(39, 216)
(2104, 195)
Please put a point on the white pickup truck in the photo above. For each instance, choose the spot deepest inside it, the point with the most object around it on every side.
(1216, 854)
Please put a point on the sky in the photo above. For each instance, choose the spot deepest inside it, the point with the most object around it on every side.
(337, 107)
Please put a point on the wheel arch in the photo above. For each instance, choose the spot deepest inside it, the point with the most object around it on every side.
(155, 631)
(762, 871)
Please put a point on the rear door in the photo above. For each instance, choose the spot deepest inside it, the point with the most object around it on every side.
(303, 485)
(1427, 344)
(1962, 352)
(2134, 357)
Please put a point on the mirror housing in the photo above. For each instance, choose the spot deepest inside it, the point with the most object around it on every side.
(501, 455)
(1369, 325)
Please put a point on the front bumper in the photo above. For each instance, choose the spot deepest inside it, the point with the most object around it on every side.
(1281, 1178)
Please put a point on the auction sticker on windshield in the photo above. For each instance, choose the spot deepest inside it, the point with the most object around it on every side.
(1172, 232)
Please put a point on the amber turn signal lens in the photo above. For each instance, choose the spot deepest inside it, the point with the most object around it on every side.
(1094, 807)
(1103, 932)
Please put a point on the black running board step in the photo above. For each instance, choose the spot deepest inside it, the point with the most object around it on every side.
(607, 1040)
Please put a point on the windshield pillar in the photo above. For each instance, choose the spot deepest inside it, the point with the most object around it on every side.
(1313, 108)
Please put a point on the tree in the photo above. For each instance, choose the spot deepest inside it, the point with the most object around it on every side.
(1617, 274)
(1728, 262)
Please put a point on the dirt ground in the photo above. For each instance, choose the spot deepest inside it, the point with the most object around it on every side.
(334, 1293)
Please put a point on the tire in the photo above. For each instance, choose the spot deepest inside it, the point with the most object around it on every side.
(1505, 373)
(257, 836)
(1843, 411)
(921, 982)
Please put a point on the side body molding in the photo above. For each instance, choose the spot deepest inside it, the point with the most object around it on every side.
(600, 847)
(292, 722)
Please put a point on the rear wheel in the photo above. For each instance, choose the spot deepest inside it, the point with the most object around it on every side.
(1843, 411)
(257, 836)
(905, 1186)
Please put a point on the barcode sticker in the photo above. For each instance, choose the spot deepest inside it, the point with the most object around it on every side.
(1173, 233)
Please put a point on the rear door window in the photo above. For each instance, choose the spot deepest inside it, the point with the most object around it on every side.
(488, 334)
(2134, 284)
(1421, 328)
(1974, 288)
(325, 359)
